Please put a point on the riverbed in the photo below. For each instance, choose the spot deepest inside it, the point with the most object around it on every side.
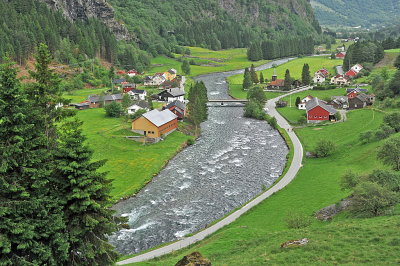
(231, 163)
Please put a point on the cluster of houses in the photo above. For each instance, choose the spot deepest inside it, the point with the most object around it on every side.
(342, 80)
(319, 110)
(279, 84)
(161, 79)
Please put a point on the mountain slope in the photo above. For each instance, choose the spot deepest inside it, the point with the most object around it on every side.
(364, 13)
(214, 24)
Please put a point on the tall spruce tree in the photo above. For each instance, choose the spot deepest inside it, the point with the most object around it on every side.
(32, 227)
(261, 78)
(253, 74)
(84, 193)
(305, 75)
(288, 80)
(247, 83)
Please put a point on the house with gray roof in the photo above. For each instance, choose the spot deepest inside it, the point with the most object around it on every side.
(172, 94)
(94, 100)
(156, 124)
(136, 106)
(339, 102)
(318, 111)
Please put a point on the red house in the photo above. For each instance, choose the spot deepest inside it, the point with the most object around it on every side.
(318, 111)
(120, 72)
(178, 108)
(341, 55)
(353, 94)
(128, 87)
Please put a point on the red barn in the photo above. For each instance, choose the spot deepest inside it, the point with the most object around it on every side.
(318, 111)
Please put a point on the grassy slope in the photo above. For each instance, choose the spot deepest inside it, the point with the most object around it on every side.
(295, 67)
(130, 164)
(256, 236)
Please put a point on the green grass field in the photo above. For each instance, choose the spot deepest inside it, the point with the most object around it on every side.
(255, 238)
(212, 61)
(130, 164)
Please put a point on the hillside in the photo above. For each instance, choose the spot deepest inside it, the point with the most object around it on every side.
(367, 13)
(214, 24)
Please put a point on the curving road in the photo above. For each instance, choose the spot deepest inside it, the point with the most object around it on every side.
(289, 176)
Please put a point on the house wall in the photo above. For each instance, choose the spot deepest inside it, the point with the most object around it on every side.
(142, 125)
(356, 104)
(352, 95)
(317, 114)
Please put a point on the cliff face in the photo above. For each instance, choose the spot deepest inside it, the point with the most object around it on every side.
(85, 9)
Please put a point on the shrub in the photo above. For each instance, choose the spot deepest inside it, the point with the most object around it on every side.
(349, 180)
(324, 148)
(302, 120)
(393, 120)
(113, 109)
(371, 199)
(384, 132)
(190, 142)
(366, 137)
(272, 122)
(297, 220)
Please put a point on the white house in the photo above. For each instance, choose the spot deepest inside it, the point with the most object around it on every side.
(156, 80)
(132, 73)
(319, 78)
(138, 106)
(302, 104)
(138, 94)
(173, 94)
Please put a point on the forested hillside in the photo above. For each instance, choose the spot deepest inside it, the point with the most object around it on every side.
(365, 13)
(214, 24)
(26, 23)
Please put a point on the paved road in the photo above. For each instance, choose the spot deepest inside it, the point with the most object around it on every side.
(289, 176)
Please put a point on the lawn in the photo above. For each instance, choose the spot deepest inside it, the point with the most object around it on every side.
(130, 164)
(255, 238)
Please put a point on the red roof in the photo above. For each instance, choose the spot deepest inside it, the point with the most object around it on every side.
(278, 82)
(351, 73)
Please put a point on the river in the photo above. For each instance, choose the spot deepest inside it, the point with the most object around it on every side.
(230, 163)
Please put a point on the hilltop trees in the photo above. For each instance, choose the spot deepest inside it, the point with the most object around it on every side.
(363, 52)
(53, 203)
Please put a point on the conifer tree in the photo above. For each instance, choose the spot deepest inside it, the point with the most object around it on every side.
(31, 227)
(84, 193)
(305, 75)
(247, 83)
(253, 74)
(186, 67)
(261, 78)
(288, 80)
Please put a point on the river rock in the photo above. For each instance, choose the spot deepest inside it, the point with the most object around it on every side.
(295, 243)
(327, 213)
(194, 259)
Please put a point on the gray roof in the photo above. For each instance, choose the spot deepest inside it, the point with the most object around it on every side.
(178, 104)
(340, 99)
(141, 104)
(363, 97)
(175, 92)
(148, 78)
(118, 81)
(314, 102)
(358, 89)
(137, 91)
(160, 118)
(112, 97)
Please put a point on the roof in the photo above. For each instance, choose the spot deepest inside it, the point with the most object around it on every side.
(178, 104)
(278, 82)
(118, 81)
(141, 104)
(160, 118)
(137, 92)
(358, 89)
(317, 102)
(174, 92)
(341, 54)
(148, 78)
(112, 97)
(340, 99)
(363, 97)
(129, 85)
(351, 73)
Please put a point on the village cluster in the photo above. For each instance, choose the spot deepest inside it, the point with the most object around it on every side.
(153, 123)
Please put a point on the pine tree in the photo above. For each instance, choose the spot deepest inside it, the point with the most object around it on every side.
(31, 227)
(397, 62)
(305, 75)
(84, 192)
(261, 78)
(253, 74)
(247, 83)
(394, 84)
(288, 80)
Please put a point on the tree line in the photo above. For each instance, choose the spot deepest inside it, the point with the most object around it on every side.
(363, 52)
(54, 202)
(272, 49)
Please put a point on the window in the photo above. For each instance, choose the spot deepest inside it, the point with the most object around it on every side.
(320, 116)
(148, 132)
(310, 116)
(315, 116)
(152, 132)
(325, 117)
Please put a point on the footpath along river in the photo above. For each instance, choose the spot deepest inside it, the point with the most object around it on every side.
(230, 163)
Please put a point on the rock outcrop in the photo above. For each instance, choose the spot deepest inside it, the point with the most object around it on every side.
(194, 259)
(295, 243)
(85, 9)
(327, 213)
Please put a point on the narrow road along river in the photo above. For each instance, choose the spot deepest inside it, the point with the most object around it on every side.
(226, 167)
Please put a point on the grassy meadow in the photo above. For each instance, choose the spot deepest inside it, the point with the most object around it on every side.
(255, 238)
(130, 164)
